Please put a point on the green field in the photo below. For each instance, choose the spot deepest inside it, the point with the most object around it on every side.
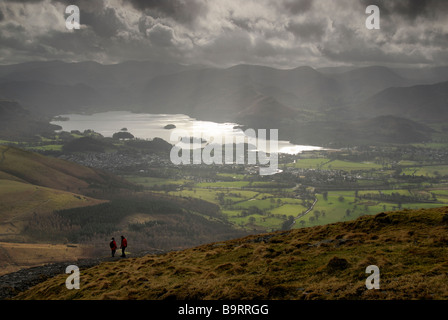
(336, 209)
(151, 181)
(47, 147)
(239, 193)
(327, 164)
(269, 223)
(429, 171)
(310, 163)
(350, 166)
(223, 184)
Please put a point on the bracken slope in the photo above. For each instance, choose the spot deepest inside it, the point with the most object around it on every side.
(324, 262)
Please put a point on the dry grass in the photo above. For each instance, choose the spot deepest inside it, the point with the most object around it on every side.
(16, 256)
(325, 262)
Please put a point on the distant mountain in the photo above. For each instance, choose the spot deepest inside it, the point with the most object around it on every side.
(47, 99)
(391, 129)
(266, 112)
(227, 92)
(90, 73)
(425, 75)
(250, 95)
(363, 82)
(422, 102)
(10, 110)
(414, 75)
(55, 87)
(15, 121)
(381, 129)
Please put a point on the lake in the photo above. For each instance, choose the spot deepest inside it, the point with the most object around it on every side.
(149, 126)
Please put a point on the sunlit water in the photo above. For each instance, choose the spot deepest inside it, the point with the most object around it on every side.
(150, 126)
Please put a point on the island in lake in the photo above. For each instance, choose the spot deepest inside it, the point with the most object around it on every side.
(169, 126)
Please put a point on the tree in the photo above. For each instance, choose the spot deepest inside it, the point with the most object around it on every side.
(122, 135)
(288, 223)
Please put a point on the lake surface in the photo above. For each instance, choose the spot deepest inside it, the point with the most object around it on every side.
(150, 126)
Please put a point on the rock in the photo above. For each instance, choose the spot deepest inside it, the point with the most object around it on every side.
(382, 217)
(337, 264)
(445, 218)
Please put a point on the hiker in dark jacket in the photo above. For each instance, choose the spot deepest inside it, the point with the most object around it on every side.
(124, 244)
(113, 246)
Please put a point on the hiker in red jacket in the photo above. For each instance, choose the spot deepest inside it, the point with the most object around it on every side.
(124, 244)
(113, 247)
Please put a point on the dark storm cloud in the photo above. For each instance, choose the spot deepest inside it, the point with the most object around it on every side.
(284, 33)
(105, 23)
(297, 6)
(24, 1)
(179, 10)
(308, 30)
(409, 9)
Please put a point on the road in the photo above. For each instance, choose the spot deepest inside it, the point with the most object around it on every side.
(304, 213)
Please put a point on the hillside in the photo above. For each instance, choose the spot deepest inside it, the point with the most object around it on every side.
(44, 200)
(364, 82)
(325, 262)
(17, 122)
(23, 202)
(266, 112)
(426, 103)
(24, 166)
(291, 98)
(32, 187)
(381, 129)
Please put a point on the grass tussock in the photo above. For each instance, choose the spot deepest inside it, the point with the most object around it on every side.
(325, 262)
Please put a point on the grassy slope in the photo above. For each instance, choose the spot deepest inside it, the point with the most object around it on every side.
(34, 185)
(19, 202)
(50, 172)
(16, 256)
(409, 247)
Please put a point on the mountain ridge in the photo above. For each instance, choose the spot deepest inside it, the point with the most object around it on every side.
(229, 94)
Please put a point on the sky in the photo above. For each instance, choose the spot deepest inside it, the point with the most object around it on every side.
(222, 33)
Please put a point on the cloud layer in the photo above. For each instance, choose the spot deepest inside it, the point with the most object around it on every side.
(286, 33)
